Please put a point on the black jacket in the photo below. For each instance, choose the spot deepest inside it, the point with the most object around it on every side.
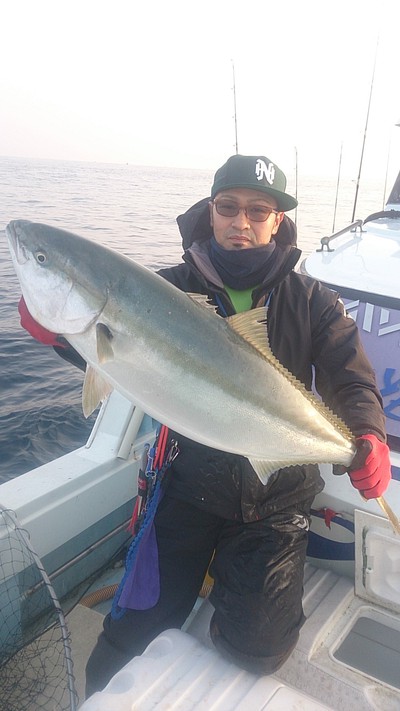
(311, 335)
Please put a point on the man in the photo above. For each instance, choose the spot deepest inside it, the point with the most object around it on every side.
(240, 251)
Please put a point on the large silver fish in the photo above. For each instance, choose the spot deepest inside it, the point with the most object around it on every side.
(211, 379)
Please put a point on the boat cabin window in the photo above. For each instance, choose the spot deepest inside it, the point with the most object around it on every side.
(394, 197)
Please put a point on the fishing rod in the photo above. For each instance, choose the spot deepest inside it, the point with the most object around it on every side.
(386, 176)
(337, 188)
(296, 180)
(234, 108)
(365, 133)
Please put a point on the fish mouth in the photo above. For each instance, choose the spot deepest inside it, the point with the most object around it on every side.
(17, 249)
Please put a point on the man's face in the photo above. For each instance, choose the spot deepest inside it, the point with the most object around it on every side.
(242, 231)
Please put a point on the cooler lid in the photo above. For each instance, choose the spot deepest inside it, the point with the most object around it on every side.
(377, 560)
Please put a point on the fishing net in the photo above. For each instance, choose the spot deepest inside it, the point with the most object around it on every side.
(35, 655)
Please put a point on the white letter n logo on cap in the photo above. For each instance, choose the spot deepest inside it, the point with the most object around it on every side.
(264, 171)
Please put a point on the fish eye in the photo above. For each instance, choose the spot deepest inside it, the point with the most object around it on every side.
(41, 257)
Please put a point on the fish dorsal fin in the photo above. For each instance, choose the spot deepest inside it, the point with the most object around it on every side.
(252, 326)
(104, 338)
(203, 300)
(95, 390)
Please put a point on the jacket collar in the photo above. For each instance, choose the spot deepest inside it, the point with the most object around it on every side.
(197, 255)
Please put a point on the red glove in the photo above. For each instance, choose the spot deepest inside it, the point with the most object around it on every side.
(370, 470)
(34, 328)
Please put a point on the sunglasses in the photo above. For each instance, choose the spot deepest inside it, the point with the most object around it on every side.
(256, 213)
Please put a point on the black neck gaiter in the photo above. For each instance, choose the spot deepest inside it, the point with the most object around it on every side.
(243, 268)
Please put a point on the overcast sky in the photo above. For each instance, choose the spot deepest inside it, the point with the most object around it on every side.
(130, 81)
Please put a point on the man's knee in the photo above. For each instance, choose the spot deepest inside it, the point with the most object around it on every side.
(256, 663)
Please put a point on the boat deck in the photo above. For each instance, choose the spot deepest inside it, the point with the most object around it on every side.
(332, 666)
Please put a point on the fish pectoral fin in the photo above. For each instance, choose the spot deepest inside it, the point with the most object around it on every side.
(95, 390)
(203, 300)
(264, 468)
(104, 347)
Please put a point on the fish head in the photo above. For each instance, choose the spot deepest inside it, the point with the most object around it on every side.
(60, 291)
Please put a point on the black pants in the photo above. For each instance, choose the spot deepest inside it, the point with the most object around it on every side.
(258, 574)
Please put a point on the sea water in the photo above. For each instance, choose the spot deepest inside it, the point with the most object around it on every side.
(132, 209)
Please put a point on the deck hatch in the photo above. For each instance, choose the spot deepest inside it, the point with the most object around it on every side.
(372, 646)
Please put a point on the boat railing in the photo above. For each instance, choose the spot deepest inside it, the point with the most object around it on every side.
(325, 241)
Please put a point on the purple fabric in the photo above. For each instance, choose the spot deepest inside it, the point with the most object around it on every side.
(142, 587)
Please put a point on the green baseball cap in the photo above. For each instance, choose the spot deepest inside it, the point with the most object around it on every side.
(255, 173)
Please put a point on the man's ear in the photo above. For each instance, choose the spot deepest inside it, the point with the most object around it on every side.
(278, 219)
(210, 207)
